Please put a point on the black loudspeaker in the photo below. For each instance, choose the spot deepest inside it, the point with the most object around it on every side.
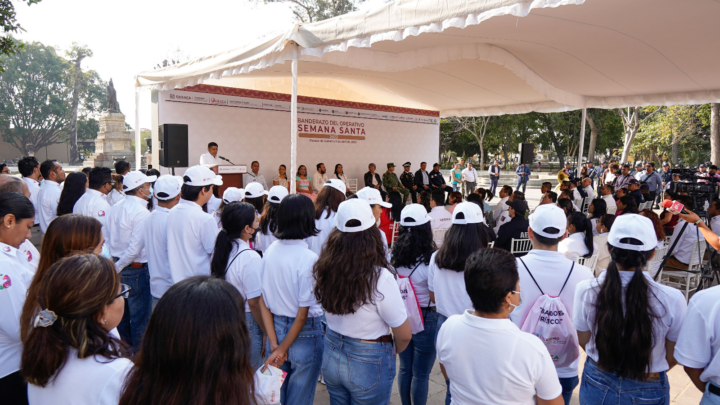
(173, 145)
(527, 154)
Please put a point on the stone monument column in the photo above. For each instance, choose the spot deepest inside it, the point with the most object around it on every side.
(114, 141)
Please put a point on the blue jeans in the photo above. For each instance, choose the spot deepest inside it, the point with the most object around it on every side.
(493, 184)
(138, 306)
(709, 398)
(155, 301)
(601, 387)
(356, 372)
(456, 186)
(521, 183)
(256, 342)
(441, 320)
(416, 363)
(304, 357)
(568, 386)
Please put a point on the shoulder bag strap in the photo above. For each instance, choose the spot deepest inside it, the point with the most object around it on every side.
(413, 271)
(235, 257)
(567, 278)
(533, 278)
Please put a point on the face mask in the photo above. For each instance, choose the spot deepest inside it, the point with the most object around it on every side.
(105, 252)
(42, 182)
(519, 302)
(377, 223)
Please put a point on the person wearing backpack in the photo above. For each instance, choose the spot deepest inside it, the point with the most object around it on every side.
(485, 356)
(411, 254)
(629, 347)
(544, 273)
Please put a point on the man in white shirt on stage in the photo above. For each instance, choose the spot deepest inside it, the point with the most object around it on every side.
(254, 175)
(211, 159)
(319, 178)
(49, 195)
(470, 178)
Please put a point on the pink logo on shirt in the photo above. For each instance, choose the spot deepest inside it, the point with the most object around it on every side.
(29, 255)
(6, 282)
(6, 249)
(101, 213)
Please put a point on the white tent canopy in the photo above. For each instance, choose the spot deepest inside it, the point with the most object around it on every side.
(485, 57)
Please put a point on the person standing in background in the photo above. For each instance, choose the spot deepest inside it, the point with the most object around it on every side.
(470, 178)
(654, 181)
(254, 176)
(408, 181)
(591, 173)
(523, 175)
(29, 168)
(93, 203)
(116, 195)
(494, 173)
(456, 177)
(319, 178)
(48, 197)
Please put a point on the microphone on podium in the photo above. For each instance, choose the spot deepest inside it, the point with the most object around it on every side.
(674, 207)
(227, 160)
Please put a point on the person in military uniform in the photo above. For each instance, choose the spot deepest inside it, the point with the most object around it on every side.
(392, 183)
(408, 181)
(437, 182)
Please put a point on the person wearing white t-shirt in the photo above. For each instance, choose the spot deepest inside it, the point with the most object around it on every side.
(544, 270)
(237, 263)
(265, 235)
(332, 193)
(359, 355)
(167, 192)
(440, 218)
(681, 255)
(71, 356)
(18, 216)
(504, 365)
(697, 346)
(446, 281)
(603, 227)
(116, 195)
(628, 323)
(290, 311)
(191, 231)
(49, 195)
(579, 243)
(411, 254)
(470, 178)
(93, 203)
(29, 168)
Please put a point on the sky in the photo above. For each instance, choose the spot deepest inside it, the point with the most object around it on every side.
(131, 36)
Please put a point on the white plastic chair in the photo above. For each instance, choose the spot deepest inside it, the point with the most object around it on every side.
(686, 281)
(585, 204)
(491, 245)
(653, 266)
(395, 231)
(520, 246)
(588, 262)
(352, 185)
(439, 235)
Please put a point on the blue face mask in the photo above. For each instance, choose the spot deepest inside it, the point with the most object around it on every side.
(150, 193)
(106, 252)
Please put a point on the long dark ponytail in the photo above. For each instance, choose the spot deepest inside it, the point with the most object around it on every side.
(582, 224)
(268, 219)
(624, 336)
(235, 217)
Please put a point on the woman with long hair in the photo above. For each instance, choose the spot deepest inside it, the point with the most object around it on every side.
(424, 200)
(70, 356)
(454, 199)
(196, 349)
(326, 204)
(627, 323)
(340, 174)
(116, 194)
(281, 179)
(66, 235)
(445, 276)
(235, 262)
(411, 255)
(626, 205)
(566, 204)
(362, 305)
(579, 242)
(73, 188)
(604, 225)
(17, 215)
(265, 236)
(597, 208)
(302, 183)
(255, 196)
(230, 195)
(291, 314)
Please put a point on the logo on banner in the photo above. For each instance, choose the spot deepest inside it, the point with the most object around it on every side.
(218, 101)
(180, 97)
(200, 99)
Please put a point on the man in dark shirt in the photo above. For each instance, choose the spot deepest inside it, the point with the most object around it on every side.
(408, 181)
(437, 181)
(634, 191)
(422, 179)
(517, 228)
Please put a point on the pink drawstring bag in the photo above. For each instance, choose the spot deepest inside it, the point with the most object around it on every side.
(412, 305)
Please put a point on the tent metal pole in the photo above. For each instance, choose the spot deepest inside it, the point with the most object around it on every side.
(582, 142)
(138, 157)
(293, 121)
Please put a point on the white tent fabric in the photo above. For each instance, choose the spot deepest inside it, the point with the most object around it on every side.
(484, 57)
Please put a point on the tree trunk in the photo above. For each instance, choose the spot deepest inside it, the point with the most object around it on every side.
(715, 133)
(77, 88)
(593, 138)
(675, 147)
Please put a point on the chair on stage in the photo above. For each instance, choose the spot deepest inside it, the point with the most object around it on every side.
(352, 185)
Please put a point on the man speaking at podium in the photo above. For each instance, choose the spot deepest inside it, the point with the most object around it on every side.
(211, 159)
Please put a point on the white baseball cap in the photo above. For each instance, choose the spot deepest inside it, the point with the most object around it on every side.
(337, 184)
(136, 179)
(254, 190)
(202, 176)
(548, 216)
(372, 196)
(354, 208)
(472, 214)
(232, 194)
(636, 227)
(277, 193)
(168, 186)
(414, 215)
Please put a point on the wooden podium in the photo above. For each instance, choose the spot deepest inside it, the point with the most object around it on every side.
(232, 176)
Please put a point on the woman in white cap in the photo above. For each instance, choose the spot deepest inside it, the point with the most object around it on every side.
(231, 194)
(291, 314)
(265, 236)
(445, 278)
(362, 305)
(326, 204)
(237, 263)
(374, 198)
(17, 215)
(627, 323)
(255, 196)
(411, 255)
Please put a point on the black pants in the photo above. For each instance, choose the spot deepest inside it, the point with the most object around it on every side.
(651, 196)
(14, 389)
(413, 195)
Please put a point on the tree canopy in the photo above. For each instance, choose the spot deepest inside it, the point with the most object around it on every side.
(10, 25)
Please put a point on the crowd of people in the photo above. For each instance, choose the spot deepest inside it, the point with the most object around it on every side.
(162, 297)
